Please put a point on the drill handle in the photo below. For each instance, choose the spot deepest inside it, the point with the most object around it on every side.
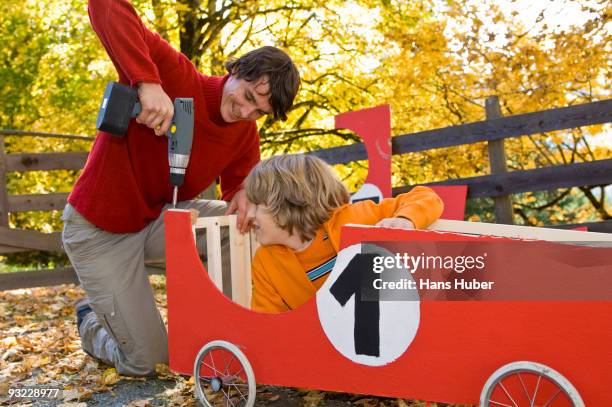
(181, 118)
(137, 109)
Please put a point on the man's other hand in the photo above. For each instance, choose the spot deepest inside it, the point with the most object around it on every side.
(157, 108)
(240, 205)
(396, 223)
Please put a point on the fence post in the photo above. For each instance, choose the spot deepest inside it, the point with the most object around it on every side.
(497, 162)
(3, 190)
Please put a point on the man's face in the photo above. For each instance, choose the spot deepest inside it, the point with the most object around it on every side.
(244, 100)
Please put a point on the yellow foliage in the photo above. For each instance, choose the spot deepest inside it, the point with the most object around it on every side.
(110, 376)
(434, 65)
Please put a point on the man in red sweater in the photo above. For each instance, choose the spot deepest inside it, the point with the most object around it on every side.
(113, 219)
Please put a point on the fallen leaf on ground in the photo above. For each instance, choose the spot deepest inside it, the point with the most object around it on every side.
(313, 398)
(40, 345)
(110, 376)
(139, 403)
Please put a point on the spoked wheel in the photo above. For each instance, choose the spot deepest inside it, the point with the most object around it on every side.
(528, 384)
(223, 376)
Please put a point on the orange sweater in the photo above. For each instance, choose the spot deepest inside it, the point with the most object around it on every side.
(284, 279)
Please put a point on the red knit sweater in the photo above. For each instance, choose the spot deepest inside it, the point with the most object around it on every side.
(125, 182)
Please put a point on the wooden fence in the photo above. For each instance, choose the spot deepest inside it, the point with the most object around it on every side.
(499, 185)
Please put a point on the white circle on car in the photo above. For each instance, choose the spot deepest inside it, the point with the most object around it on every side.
(367, 192)
(368, 326)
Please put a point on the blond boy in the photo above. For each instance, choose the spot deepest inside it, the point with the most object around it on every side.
(299, 207)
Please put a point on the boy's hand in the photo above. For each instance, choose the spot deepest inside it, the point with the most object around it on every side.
(240, 205)
(157, 108)
(396, 223)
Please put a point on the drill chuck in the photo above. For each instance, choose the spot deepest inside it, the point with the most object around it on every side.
(178, 165)
(176, 179)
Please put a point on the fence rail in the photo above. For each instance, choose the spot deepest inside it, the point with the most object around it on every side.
(540, 179)
(50, 277)
(37, 202)
(29, 240)
(498, 185)
(45, 161)
(487, 130)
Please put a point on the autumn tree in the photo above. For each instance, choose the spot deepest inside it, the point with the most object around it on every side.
(434, 62)
(472, 50)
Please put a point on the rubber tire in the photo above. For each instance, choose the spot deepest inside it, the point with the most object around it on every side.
(248, 370)
(529, 367)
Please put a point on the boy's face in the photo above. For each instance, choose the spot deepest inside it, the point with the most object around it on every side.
(244, 100)
(266, 229)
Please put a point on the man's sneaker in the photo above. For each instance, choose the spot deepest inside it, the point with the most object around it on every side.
(82, 309)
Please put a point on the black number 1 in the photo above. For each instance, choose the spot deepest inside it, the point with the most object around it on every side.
(357, 274)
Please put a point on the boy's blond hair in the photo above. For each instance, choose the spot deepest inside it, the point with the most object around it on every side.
(301, 192)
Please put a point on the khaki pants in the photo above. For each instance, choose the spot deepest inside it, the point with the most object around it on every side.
(125, 330)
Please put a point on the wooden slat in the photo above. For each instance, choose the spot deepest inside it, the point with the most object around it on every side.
(213, 249)
(599, 227)
(506, 127)
(502, 205)
(46, 161)
(30, 239)
(487, 130)
(202, 223)
(521, 232)
(37, 202)
(342, 154)
(240, 255)
(542, 179)
(37, 278)
(48, 277)
(4, 249)
(5, 132)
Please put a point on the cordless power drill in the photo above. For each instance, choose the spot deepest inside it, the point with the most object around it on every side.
(120, 104)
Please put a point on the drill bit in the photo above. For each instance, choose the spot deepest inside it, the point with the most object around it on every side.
(174, 196)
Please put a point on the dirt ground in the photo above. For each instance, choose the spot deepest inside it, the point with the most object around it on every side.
(39, 346)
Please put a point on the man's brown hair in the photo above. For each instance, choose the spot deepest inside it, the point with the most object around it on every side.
(283, 76)
(300, 191)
